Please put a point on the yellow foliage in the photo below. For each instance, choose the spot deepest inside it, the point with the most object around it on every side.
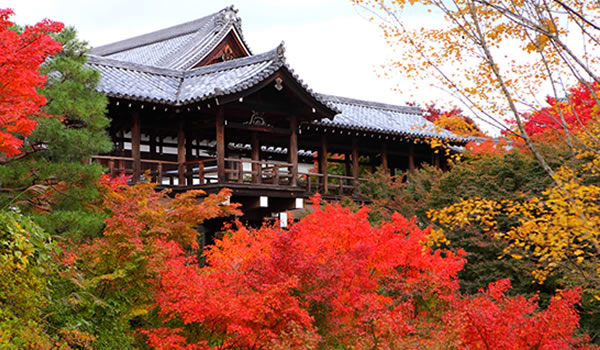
(560, 229)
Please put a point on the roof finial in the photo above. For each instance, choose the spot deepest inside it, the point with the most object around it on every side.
(232, 8)
(281, 50)
(226, 15)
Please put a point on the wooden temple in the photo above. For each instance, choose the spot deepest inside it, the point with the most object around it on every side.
(193, 108)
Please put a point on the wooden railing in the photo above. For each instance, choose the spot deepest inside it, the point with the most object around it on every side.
(201, 172)
(258, 172)
(160, 171)
(337, 185)
(236, 171)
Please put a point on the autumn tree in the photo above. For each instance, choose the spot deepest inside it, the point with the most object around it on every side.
(25, 268)
(497, 58)
(452, 119)
(333, 280)
(21, 55)
(107, 282)
(502, 60)
(52, 180)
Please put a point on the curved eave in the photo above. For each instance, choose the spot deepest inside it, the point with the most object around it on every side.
(139, 98)
(276, 68)
(267, 80)
(396, 133)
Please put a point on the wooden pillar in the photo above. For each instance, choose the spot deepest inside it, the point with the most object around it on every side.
(436, 158)
(255, 155)
(355, 162)
(293, 151)
(323, 163)
(152, 144)
(136, 136)
(384, 158)
(111, 167)
(347, 164)
(189, 154)
(181, 152)
(411, 157)
(120, 141)
(159, 173)
(220, 131)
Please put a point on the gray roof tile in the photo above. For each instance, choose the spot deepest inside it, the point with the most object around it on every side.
(156, 67)
(382, 118)
(120, 79)
(172, 86)
(178, 47)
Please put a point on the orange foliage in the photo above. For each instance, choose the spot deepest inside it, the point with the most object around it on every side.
(333, 280)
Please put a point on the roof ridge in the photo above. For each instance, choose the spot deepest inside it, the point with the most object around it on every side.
(371, 104)
(100, 60)
(157, 36)
(276, 54)
(187, 52)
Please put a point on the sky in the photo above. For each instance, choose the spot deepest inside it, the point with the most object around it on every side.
(330, 44)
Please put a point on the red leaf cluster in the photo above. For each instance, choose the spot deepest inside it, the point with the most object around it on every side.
(334, 275)
(334, 281)
(489, 146)
(495, 321)
(577, 109)
(21, 54)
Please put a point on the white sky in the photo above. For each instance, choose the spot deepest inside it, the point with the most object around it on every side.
(329, 44)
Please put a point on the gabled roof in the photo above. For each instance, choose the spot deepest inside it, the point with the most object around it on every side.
(383, 118)
(157, 67)
(178, 87)
(178, 47)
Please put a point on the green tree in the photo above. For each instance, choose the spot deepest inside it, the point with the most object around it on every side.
(25, 265)
(55, 181)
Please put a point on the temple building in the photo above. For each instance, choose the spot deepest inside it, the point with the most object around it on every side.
(194, 108)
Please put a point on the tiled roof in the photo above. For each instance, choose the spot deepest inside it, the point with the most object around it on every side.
(178, 87)
(177, 47)
(136, 82)
(156, 67)
(230, 76)
(381, 118)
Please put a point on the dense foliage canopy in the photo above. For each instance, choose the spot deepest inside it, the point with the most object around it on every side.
(437, 260)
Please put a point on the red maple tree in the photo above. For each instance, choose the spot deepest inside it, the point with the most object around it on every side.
(21, 54)
(493, 320)
(574, 112)
(333, 280)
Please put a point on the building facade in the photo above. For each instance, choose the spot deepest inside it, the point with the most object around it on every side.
(194, 108)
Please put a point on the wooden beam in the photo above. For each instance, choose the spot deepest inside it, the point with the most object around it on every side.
(181, 152)
(293, 150)
(255, 155)
(136, 136)
(246, 127)
(384, 158)
(271, 108)
(342, 148)
(323, 163)
(290, 84)
(411, 157)
(220, 131)
(355, 162)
